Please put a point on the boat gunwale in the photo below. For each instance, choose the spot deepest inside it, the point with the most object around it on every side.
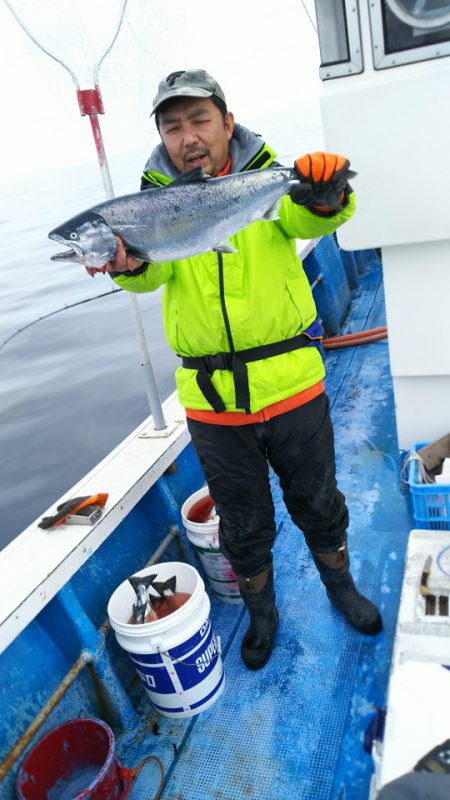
(38, 563)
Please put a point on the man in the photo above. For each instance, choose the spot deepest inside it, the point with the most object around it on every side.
(251, 373)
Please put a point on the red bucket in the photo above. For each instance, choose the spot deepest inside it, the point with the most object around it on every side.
(74, 762)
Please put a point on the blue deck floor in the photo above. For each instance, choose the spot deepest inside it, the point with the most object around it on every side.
(295, 729)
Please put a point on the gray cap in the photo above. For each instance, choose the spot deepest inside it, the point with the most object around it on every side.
(187, 83)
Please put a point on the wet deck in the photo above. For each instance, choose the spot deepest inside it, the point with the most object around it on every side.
(295, 729)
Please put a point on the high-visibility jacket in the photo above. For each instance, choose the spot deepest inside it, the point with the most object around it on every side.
(214, 303)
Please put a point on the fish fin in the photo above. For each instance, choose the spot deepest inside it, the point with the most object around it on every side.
(137, 580)
(272, 213)
(224, 247)
(192, 176)
(165, 586)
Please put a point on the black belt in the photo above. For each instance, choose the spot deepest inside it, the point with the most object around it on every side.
(236, 363)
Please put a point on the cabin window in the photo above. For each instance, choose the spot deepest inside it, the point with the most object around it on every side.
(405, 31)
(339, 38)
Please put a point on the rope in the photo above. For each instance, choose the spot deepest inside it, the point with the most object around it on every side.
(134, 772)
(58, 311)
(424, 476)
(382, 453)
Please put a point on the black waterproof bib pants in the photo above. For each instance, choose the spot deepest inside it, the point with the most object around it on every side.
(299, 445)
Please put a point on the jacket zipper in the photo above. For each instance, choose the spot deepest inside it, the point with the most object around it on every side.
(222, 303)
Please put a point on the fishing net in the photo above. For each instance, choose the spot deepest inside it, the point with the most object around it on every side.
(78, 35)
(132, 42)
(151, 44)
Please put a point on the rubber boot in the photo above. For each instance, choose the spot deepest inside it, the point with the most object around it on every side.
(258, 594)
(334, 571)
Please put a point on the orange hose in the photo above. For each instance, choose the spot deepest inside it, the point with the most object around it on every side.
(358, 335)
(337, 342)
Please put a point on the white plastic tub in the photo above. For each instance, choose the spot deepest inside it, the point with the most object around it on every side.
(177, 657)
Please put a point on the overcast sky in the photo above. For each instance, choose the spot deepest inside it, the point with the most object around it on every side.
(264, 53)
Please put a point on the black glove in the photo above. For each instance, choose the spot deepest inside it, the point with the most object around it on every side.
(324, 184)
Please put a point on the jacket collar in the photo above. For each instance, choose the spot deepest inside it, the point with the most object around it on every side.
(247, 149)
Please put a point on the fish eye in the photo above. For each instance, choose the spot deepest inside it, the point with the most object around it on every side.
(73, 235)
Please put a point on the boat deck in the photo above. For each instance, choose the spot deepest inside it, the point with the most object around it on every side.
(295, 728)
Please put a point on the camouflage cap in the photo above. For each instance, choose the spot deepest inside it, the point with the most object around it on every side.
(187, 83)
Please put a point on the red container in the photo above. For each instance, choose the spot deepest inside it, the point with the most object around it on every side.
(201, 510)
(74, 762)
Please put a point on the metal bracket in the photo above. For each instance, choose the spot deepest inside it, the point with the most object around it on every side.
(88, 515)
(152, 433)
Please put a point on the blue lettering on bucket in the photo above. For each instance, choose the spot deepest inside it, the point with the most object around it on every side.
(147, 680)
(190, 662)
(198, 664)
(207, 657)
(158, 679)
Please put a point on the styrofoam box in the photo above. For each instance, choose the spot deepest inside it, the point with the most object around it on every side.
(418, 705)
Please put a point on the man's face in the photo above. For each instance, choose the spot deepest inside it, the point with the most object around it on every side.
(195, 134)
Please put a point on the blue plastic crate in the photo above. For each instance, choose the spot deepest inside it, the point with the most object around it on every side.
(431, 501)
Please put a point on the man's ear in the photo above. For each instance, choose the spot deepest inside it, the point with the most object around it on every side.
(229, 124)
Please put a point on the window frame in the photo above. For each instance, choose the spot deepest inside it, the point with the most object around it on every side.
(355, 63)
(383, 60)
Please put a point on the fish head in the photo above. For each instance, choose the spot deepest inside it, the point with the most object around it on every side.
(90, 240)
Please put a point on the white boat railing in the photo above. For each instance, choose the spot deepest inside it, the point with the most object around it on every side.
(38, 563)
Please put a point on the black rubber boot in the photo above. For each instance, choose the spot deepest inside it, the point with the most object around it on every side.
(258, 594)
(334, 571)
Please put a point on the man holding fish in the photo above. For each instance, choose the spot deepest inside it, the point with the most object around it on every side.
(239, 311)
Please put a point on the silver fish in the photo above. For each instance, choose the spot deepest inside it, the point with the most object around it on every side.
(191, 215)
(141, 586)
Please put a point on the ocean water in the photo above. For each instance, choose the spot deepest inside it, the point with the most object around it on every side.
(71, 386)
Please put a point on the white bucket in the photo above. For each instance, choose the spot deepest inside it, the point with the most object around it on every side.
(205, 538)
(177, 657)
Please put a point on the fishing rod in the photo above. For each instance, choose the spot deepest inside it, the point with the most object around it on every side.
(90, 104)
(52, 314)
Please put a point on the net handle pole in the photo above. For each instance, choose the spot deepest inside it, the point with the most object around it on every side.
(91, 105)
